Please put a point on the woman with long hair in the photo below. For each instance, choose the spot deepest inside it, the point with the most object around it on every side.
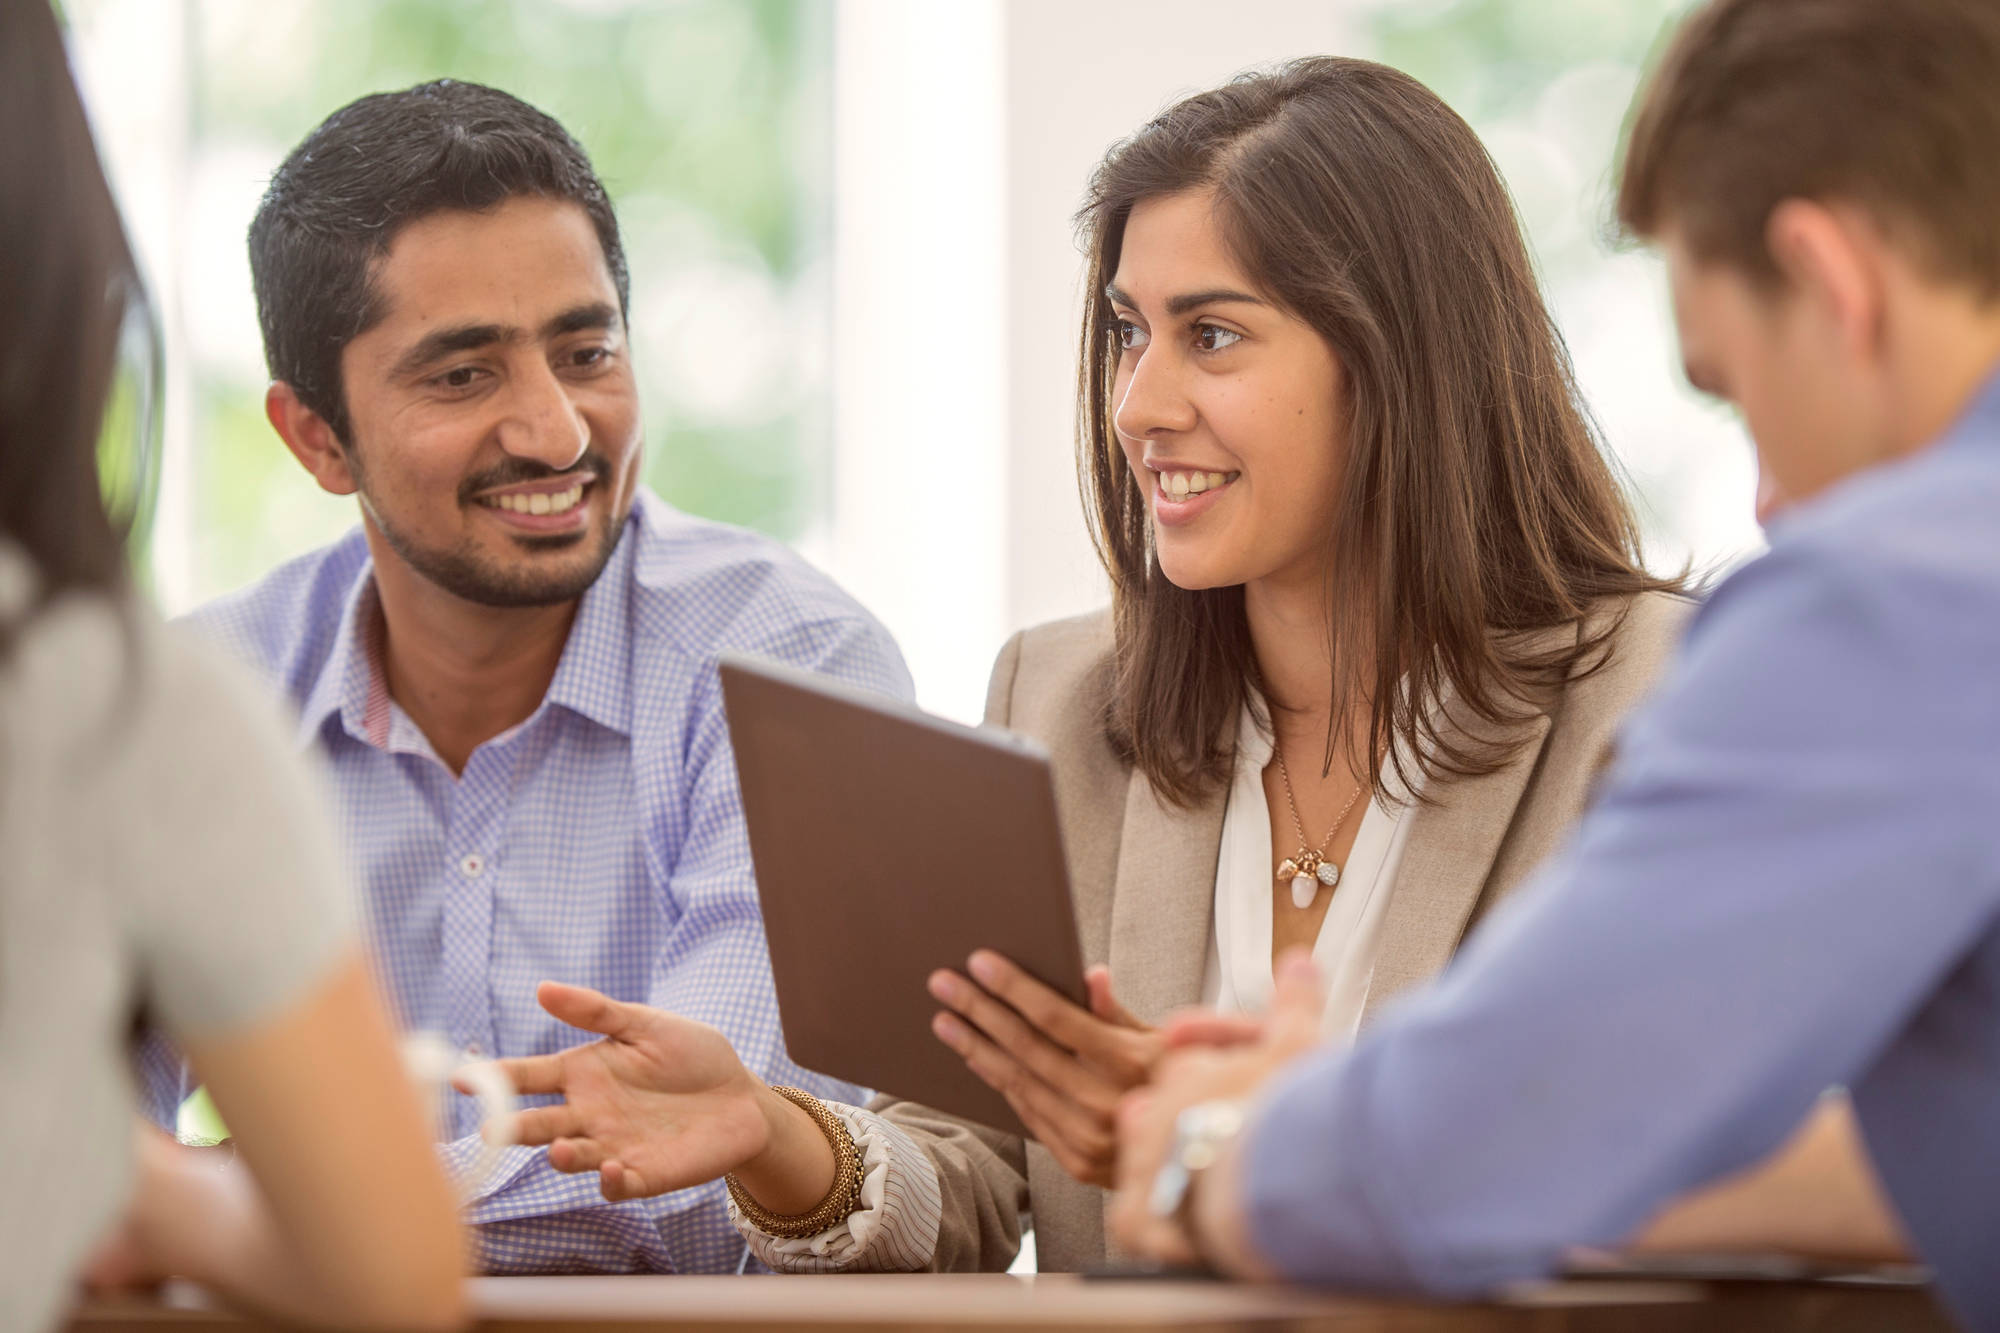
(167, 861)
(1377, 609)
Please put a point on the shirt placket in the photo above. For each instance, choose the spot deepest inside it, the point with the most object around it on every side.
(472, 873)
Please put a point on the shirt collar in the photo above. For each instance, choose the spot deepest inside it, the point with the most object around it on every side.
(593, 677)
(343, 682)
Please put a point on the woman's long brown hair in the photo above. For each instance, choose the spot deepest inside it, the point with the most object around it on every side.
(66, 277)
(1476, 506)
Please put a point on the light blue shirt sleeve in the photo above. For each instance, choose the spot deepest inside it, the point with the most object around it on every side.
(1794, 851)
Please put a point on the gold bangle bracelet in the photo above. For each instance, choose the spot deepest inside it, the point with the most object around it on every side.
(840, 1202)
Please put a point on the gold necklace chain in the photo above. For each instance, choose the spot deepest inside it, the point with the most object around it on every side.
(1306, 863)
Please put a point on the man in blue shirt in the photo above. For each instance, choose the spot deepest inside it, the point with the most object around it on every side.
(509, 667)
(1792, 879)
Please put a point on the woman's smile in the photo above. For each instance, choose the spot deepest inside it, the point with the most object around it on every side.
(1181, 495)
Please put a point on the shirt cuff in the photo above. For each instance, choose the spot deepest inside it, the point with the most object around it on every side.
(895, 1229)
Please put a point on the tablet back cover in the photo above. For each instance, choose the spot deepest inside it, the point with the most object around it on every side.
(889, 843)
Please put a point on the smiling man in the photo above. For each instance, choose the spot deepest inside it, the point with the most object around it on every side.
(509, 666)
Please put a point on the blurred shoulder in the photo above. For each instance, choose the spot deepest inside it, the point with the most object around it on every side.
(1052, 664)
(99, 676)
(1053, 682)
(1638, 637)
(1642, 633)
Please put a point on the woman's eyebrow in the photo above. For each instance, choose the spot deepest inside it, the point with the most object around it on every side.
(1180, 305)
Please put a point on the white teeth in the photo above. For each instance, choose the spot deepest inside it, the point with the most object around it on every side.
(1180, 485)
(541, 503)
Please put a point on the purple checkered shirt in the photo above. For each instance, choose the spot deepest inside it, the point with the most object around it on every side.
(600, 842)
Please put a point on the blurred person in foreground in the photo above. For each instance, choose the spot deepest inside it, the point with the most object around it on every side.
(1792, 880)
(166, 856)
(509, 664)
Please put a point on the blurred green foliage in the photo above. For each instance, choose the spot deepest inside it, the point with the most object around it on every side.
(1492, 58)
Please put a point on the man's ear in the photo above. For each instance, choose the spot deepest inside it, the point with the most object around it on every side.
(306, 433)
(1829, 257)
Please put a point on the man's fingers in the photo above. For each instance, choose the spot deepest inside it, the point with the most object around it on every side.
(566, 1154)
(1205, 1027)
(1145, 1123)
(545, 1124)
(576, 1154)
(582, 1007)
(618, 1182)
(530, 1074)
(1298, 1002)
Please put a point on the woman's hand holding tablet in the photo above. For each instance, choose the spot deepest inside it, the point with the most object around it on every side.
(1061, 1067)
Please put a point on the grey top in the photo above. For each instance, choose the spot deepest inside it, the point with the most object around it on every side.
(160, 849)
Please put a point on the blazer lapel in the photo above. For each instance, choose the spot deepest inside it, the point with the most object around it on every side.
(1164, 903)
(1446, 862)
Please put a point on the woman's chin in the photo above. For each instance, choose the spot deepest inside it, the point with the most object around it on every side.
(1198, 575)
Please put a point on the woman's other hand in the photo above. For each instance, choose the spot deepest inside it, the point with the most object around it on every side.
(1061, 1067)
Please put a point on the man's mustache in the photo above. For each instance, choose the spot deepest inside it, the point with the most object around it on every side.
(515, 471)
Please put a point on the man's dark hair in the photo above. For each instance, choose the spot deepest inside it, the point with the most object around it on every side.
(377, 164)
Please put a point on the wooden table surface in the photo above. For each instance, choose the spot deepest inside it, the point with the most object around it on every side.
(996, 1303)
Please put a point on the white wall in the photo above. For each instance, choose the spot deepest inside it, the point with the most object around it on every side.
(131, 63)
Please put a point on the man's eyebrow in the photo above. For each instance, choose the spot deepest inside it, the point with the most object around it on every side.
(596, 315)
(440, 343)
(1181, 305)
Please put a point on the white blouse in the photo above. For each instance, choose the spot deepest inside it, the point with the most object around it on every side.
(1238, 976)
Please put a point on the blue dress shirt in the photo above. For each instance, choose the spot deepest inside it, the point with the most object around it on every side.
(1792, 881)
(599, 842)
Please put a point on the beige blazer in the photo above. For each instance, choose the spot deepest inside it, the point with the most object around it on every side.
(1143, 876)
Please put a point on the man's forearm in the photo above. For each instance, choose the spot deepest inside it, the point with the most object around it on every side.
(1815, 1196)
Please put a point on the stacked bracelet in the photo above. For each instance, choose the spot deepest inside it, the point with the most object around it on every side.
(839, 1203)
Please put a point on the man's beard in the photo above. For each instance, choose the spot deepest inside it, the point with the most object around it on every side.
(467, 573)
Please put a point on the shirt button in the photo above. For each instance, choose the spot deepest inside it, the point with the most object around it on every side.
(474, 1050)
(471, 865)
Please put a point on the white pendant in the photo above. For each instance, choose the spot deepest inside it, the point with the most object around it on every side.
(1329, 873)
(1304, 888)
